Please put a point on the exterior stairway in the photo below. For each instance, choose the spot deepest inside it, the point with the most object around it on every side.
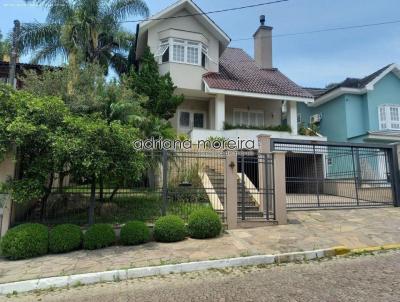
(245, 200)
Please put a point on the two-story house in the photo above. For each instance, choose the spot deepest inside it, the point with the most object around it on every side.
(358, 110)
(222, 86)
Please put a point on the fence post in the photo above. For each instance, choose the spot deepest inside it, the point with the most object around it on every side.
(165, 182)
(231, 202)
(280, 187)
(395, 167)
(264, 179)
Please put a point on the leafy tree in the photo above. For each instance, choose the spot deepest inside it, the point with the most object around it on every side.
(30, 123)
(85, 91)
(92, 149)
(158, 88)
(5, 47)
(83, 31)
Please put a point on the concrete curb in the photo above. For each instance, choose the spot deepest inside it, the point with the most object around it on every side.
(125, 274)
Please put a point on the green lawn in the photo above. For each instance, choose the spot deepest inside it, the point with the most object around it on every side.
(140, 206)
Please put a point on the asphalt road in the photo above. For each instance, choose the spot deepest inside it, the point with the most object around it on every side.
(362, 278)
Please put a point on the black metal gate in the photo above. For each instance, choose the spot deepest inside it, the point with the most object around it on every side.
(256, 196)
(338, 175)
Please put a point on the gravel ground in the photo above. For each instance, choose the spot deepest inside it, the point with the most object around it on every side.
(361, 278)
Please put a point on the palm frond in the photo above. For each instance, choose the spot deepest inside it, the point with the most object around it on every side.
(37, 35)
(49, 53)
(121, 9)
(60, 11)
(119, 63)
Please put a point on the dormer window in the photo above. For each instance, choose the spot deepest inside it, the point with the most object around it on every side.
(183, 51)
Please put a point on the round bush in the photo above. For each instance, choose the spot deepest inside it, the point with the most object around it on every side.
(65, 238)
(204, 223)
(98, 236)
(134, 232)
(169, 229)
(25, 241)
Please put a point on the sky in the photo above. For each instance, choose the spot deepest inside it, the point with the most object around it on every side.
(312, 60)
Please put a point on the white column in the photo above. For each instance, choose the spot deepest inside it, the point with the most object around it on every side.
(219, 113)
(292, 116)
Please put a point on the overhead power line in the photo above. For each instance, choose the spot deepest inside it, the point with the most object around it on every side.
(326, 30)
(209, 12)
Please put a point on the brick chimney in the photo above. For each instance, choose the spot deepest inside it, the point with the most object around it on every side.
(263, 45)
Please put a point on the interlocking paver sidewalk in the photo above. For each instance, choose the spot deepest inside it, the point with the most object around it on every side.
(307, 230)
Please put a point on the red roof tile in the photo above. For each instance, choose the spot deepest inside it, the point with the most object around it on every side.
(239, 72)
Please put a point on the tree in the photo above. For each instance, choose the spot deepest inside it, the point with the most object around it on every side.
(87, 31)
(5, 47)
(158, 88)
(30, 123)
(85, 91)
(92, 149)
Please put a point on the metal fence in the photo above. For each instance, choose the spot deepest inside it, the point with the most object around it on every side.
(256, 190)
(329, 175)
(175, 183)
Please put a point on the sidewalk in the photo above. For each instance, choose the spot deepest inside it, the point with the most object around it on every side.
(306, 231)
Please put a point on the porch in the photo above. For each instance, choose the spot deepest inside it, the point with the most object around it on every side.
(233, 116)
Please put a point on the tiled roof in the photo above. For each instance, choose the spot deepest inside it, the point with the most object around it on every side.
(355, 82)
(239, 72)
(316, 92)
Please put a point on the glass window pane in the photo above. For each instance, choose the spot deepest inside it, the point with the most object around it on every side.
(165, 56)
(253, 119)
(260, 119)
(245, 118)
(192, 55)
(198, 120)
(236, 118)
(184, 119)
(179, 53)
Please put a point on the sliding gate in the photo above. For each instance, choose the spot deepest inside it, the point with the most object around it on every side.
(331, 175)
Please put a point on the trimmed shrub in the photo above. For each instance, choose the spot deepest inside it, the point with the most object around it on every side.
(25, 241)
(204, 223)
(134, 232)
(65, 238)
(169, 229)
(98, 236)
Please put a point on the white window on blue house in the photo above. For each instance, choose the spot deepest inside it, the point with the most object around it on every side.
(389, 117)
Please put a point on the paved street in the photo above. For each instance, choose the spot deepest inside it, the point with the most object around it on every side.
(361, 278)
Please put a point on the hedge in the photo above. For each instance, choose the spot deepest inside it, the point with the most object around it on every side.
(204, 223)
(169, 229)
(25, 241)
(134, 232)
(98, 236)
(65, 238)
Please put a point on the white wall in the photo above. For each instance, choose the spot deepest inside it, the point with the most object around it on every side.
(185, 75)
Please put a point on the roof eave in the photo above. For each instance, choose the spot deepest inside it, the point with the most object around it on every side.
(211, 90)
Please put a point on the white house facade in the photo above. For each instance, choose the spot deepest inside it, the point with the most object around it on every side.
(227, 93)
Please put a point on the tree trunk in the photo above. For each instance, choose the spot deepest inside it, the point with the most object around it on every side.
(101, 188)
(45, 197)
(113, 193)
(92, 204)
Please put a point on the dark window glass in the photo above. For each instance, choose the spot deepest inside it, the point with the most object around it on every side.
(203, 60)
(198, 120)
(184, 119)
(165, 57)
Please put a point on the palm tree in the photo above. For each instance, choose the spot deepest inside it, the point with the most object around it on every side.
(87, 31)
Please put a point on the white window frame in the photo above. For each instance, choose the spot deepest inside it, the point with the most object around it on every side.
(385, 117)
(171, 42)
(191, 119)
(248, 112)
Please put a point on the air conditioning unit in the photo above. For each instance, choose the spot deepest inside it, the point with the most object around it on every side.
(315, 119)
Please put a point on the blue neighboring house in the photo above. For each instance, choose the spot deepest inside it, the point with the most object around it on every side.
(363, 110)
